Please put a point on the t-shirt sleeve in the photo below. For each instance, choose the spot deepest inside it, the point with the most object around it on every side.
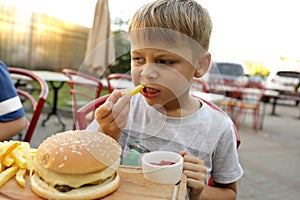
(10, 104)
(227, 168)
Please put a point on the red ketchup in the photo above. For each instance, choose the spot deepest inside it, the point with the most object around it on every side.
(163, 163)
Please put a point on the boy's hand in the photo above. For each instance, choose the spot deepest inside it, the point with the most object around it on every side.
(113, 114)
(195, 171)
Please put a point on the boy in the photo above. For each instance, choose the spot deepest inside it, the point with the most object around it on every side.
(169, 43)
(12, 114)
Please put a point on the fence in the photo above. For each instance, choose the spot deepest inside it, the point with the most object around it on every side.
(38, 41)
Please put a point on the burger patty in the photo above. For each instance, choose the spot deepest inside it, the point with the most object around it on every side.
(66, 188)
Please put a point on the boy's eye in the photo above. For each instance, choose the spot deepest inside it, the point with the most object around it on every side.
(138, 60)
(165, 62)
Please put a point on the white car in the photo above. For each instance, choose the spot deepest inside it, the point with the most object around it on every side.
(283, 81)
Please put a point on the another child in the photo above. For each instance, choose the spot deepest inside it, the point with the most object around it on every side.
(12, 115)
(169, 43)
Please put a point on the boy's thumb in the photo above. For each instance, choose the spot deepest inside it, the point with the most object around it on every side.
(107, 105)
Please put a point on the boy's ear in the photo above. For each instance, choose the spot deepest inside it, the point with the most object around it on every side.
(203, 64)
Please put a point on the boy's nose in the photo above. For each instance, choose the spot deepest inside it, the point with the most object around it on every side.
(149, 71)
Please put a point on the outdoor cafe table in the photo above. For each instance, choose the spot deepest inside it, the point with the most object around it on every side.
(211, 97)
(268, 94)
(132, 186)
(280, 94)
(56, 80)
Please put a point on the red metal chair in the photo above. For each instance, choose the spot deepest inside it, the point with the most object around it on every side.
(83, 88)
(251, 99)
(36, 105)
(116, 76)
(229, 103)
(86, 113)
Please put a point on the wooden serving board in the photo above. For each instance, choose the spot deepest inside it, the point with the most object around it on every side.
(132, 186)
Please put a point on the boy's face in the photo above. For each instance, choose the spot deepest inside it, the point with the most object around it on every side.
(166, 73)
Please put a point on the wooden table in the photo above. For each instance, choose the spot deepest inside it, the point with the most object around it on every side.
(133, 186)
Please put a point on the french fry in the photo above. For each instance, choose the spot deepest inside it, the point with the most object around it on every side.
(20, 161)
(7, 148)
(8, 161)
(133, 91)
(28, 154)
(15, 159)
(20, 177)
(33, 151)
(7, 174)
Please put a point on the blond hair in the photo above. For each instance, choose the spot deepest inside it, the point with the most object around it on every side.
(184, 16)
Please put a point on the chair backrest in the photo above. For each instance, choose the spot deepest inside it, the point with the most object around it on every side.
(83, 88)
(252, 94)
(86, 113)
(37, 104)
(117, 77)
(198, 84)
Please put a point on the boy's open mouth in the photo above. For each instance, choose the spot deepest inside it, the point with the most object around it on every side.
(148, 91)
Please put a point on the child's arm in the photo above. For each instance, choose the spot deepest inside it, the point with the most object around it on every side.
(195, 171)
(113, 114)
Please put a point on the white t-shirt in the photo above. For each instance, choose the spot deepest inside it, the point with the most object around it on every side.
(207, 134)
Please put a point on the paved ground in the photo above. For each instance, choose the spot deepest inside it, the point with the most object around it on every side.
(270, 157)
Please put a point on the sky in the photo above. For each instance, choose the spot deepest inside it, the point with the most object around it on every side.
(256, 30)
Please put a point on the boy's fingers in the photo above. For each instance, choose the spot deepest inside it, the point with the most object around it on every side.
(183, 153)
(113, 114)
(103, 110)
(192, 159)
(107, 105)
(121, 109)
(121, 104)
(115, 96)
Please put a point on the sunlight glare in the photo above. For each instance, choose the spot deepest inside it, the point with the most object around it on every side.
(79, 12)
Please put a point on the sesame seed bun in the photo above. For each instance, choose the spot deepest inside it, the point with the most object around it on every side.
(84, 162)
(78, 152)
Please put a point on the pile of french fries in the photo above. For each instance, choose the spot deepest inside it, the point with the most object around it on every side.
(15, 160)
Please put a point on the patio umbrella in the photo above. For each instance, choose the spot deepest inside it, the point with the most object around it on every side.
(100, 50)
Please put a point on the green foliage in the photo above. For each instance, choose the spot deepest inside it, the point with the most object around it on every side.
(122, 64)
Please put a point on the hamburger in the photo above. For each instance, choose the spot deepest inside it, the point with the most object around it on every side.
(76, 165)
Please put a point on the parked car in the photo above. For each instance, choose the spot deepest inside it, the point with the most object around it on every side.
(226, 73)
(283, 80)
